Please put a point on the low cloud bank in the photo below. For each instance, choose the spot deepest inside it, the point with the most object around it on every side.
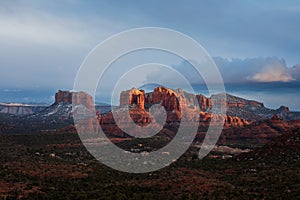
(260, 69)
(270, 69)
(275, 73)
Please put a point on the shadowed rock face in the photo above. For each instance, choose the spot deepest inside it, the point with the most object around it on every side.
(63, 97)
(139, 116)
(66, 97)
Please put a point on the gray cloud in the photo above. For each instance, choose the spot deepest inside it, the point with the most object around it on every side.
(40, 48)
(295, 71)
(42, 43)
(269, 69)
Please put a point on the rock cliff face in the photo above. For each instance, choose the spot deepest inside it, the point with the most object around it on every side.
(204, 102)
(139, 116)
(66, 97)
(164, 96)
(175, 100)
(229, 120)
(82, 98)
(133, 96)
(160, 95)
(61, 112)
(63, 97)
(170, 100)
(239, 107)
(138, 103)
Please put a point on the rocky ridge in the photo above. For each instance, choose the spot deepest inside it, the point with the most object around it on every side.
(137, 103)
(249, 110)
(263, 125)
(262, 128)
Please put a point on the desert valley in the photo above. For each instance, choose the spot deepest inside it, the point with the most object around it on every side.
(42, 157)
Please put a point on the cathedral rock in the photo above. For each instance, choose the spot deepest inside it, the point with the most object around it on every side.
(133, 96)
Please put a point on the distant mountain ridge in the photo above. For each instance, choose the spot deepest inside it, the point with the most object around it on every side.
(20, 109)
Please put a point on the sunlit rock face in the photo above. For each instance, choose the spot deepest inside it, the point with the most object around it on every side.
(176, 104)
(133, 96)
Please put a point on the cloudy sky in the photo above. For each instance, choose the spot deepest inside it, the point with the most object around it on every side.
(43, 43)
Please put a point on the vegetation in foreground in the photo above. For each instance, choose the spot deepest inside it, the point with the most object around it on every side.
(57, 166)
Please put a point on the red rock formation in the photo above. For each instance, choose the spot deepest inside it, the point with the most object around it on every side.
(171, 103)
(82, 98)
(87, 125)
(63, 97)
(166, 97)
(160, 93)
(133, 96)
(205, 118)
(83, 111)
(235, 121)
(138, 115)
(170, 100)
(204, 102)
(79, 98)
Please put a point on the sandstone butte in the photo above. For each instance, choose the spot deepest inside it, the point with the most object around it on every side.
(78, 98)
(139, 102)
(87, 123)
